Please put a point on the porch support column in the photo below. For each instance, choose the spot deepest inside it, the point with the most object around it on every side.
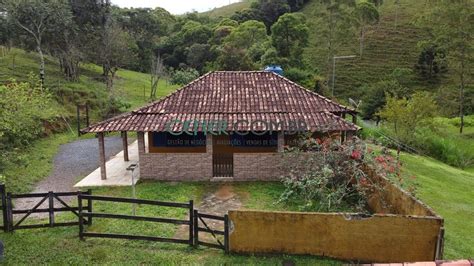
(125, 146)
(141, 142)
(281, 141)
(103, 174)
(209, 143)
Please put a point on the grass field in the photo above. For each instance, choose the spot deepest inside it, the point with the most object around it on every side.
(444, 188)
(228, 10)
(449, 192)
(133, 87)
(61, 246)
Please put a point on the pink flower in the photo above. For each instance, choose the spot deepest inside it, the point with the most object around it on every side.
(356, 155)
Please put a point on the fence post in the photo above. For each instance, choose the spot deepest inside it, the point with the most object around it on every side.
(81, 221)
(89, 207)
(195, 227)
(191, 223)
(226, 234)
(9, 212)
(51, 208)
(4, 207)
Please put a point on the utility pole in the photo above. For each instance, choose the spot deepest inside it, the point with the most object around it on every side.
(334, 68)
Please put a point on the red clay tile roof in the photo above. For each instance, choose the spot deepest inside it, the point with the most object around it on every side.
(233, 96)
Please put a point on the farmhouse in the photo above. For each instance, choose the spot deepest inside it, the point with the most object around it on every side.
(225, 124)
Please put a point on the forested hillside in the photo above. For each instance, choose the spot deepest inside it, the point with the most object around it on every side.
(396, 61)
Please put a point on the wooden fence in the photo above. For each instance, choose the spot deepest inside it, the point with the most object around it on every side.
(3, 200)
(201, 218)
(9, 211)
(83, 213)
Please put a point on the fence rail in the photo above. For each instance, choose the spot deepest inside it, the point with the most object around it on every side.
(199, 217)
(48, 198)
(85, 215)
(90, 215)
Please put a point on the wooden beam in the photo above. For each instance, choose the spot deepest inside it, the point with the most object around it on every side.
(141, 142)
(281, 141)
(103, 173)
(125, 146)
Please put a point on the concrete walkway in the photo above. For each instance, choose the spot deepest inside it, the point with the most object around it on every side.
(117, 175)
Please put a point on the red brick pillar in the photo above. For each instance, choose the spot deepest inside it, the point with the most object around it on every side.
(281, 141)
(125, 146)
(141, 142)
(103, 174)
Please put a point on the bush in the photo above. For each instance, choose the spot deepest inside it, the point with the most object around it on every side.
(184, 76)
(25, 111)
(328, 176)
(443, 149)
(303, 77)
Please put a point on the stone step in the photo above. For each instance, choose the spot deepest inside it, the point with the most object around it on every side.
(222, 179)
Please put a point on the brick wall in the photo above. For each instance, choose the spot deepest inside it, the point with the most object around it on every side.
(176, 166)
(257, 166)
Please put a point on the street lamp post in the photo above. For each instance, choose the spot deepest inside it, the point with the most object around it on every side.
(334, 68)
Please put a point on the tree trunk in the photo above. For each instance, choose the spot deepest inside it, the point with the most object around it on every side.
(41, 70)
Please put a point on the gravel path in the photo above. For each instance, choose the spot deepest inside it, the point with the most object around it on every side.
(75, 159)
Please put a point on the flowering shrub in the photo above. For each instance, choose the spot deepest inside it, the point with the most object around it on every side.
(325, 175)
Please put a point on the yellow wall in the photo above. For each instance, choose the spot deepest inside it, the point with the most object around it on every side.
(381, 238)
(391, 199)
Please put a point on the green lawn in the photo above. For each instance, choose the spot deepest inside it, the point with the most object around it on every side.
(129, 85)
(444, 188)
(449, 191)
(62, 246)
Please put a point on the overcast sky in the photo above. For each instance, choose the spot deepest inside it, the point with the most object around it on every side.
(175, 6)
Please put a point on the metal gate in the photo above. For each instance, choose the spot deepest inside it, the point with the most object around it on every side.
(223, 165)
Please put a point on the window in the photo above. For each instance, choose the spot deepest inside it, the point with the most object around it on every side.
(165, 139)
(251, 140)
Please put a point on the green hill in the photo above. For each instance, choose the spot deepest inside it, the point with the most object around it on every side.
(132, 87)
(390, 44)
(228, 10)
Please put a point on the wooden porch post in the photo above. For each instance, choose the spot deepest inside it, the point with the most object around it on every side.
(103, 173)
(141, 142)
(281, 141)
(125, 146)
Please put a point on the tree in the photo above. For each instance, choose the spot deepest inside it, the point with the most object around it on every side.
(114, 51)
(157, 71)
(290, 35)
(335, 27)
(452, 23)
(198, 55)
(234, 58)
(145, 26)
(271, 10)
(366, 14)
(247, 34)
(431, 63)
(407, 114)
(184, 76)
(247, 14)
(38, 18)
